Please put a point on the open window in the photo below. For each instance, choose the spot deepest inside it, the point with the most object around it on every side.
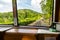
(28, 12)
(35, 12)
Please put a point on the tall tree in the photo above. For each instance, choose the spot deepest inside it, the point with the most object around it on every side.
(47, 6)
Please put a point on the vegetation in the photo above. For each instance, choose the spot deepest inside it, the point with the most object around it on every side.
(6, 18)
(27, 16)
(47, 7)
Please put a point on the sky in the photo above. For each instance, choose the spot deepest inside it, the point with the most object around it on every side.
(6, 5)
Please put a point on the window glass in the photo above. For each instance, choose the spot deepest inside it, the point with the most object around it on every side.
(6, 15)
(34, 12)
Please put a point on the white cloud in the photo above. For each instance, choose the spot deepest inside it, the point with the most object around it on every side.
(18, 1)
(5, 7)
(1, 5)
(36, 5)
(6, 1)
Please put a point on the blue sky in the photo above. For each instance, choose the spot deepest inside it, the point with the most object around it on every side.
(6, 5)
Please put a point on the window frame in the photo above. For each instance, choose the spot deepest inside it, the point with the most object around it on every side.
(33, 26)
(15, 15)
(57, 11)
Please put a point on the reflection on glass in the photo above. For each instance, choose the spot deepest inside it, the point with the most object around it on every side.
(35, 12)
(6, 15)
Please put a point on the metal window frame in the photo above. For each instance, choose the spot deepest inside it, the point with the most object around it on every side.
(15, 15)
(57, 10)
(41, 26)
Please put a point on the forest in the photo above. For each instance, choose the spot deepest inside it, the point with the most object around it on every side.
(24, 16)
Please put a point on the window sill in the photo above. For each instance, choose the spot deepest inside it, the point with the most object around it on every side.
(3, 29)
(30, 31)
(43, 31)
(26, 31)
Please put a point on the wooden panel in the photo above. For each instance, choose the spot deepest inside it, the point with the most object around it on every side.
(26, 34)
(40, 37)
(20, 34)
(31, 37)
(1, 35)
(57, 11)
(12, 37)
(19, 37)
(2, 32)
(51, 35)
(58, 38)
(43, 36)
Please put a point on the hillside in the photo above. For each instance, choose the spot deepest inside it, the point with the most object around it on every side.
(25, 16)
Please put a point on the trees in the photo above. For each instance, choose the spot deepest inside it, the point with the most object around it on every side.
(25, 16)
(47, 7)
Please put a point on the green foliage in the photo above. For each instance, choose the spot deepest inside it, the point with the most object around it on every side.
(6, 18)
(25, 17)
(47, 7)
